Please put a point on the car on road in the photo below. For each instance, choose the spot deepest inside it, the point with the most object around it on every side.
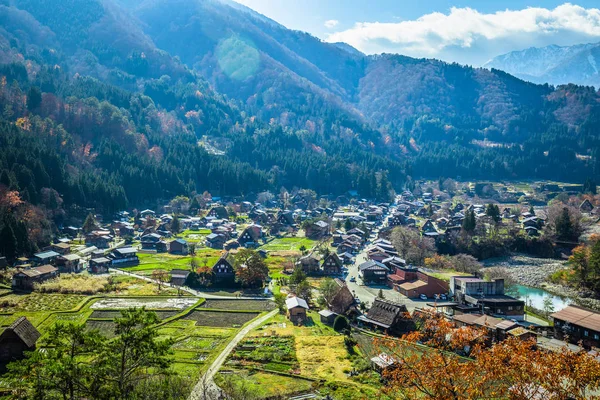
(352, 279)
(443, 296)
(423, 297)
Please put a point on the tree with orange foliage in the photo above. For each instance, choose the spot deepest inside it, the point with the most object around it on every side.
(585, 261)
(444, 362)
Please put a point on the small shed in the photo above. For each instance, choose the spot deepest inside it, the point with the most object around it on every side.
(327, 317)
(99, 265)
(297, 309)
(179, 276)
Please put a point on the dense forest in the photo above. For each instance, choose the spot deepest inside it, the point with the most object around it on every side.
(116, 104)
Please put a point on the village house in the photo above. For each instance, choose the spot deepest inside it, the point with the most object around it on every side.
(61, 248)
(310, 263)
(373, 272)
(586, 206)
(100, 239)
(151, 241)
(25, 279)
(578, 324)
(99, 265)
(296, 309)
(383, 362)
(178, 246)
(219, 212)
(179, 276)
(343, 301)
(46, 257)
(332, 265)
(391, 317)
(15, 340)
(215, 241)
(68, 263)
(124, 257)
(223, 271)
(317, 230)
(251, 236)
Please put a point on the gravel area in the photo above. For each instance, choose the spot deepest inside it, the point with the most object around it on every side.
(526, 270)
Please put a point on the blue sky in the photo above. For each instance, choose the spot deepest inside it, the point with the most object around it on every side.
(468, 31)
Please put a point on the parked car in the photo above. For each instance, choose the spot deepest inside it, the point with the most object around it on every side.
(423, 297)
(352, 279)
(443, 296)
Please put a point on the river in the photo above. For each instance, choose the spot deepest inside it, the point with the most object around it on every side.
(535, 297)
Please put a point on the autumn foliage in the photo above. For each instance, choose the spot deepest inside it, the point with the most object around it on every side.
(441, 361)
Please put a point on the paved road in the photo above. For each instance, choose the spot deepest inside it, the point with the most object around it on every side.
(369, 293)
(206, 389)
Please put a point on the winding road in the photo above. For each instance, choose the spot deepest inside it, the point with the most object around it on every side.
(206, 389)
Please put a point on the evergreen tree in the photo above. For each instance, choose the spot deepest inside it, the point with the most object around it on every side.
(470, 222)
(34, 98)
(8, 242)
(175, 225)
(564, 225)
(493, 211)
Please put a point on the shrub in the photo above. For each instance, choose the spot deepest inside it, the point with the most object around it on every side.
(340, 323)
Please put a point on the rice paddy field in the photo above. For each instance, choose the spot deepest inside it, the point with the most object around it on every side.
(199, 334)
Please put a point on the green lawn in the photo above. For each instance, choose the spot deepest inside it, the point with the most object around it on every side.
(168, 262)
(194, 236)
(289, 244)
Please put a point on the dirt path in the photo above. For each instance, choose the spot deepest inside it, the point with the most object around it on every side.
(206, 389)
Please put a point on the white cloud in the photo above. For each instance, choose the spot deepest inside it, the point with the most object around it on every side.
(332, 23)
(468, 36)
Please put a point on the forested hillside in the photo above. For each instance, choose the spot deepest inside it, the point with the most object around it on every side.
(112, 104)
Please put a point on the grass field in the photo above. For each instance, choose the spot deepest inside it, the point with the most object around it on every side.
(279, 325)
(168, 262)
(265, 384)
(290, 244)
(39, 302)
(194, 236)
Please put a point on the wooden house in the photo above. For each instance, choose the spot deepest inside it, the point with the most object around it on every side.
(310, 263)
(223, 271)
(16, 339)
(296, 309)
(45, 257)
(373, 272)
(178, 246)
(124, 257)
(68, 263)
(251, 236)
(26, 278)
(215, 241)
(99, 265)
(332, 265)
(179, 276)
(327, 317)
(586, 206)
(391, 317)
(61, 248)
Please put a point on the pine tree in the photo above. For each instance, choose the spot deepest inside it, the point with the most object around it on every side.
(470, 222)
(175, 224)
(564, 225)
(8, 242)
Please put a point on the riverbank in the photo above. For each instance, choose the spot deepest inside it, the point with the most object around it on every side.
(533, 272)
(526, 270)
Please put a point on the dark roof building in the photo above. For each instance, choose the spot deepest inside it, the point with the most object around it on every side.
(19, 337)
(389, 316)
